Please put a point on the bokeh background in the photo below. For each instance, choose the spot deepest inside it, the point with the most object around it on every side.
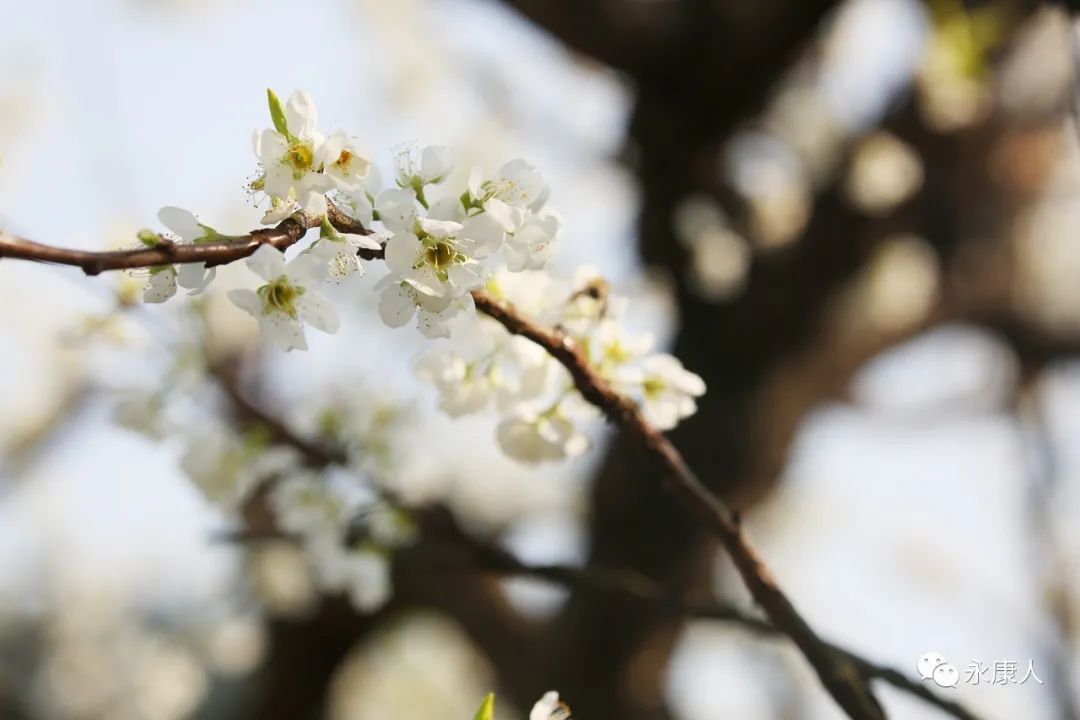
(855, 219)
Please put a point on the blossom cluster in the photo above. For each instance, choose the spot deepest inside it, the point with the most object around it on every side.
(440, 241)
(338, 514)
(541, 410)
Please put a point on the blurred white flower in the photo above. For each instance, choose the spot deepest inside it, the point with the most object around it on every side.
(549, 707)
(668, 391)
(537, 437)
(361, 573)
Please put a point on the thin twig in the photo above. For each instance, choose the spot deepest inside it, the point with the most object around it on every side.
(166, 252)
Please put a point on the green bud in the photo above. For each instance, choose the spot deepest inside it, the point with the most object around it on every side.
(486, 710)
(149, 238)
(277, 113)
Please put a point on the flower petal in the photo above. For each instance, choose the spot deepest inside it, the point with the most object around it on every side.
(402, 251)
(182, 222)
(282, 331)
(319, 312)
(397, 209)
(396, 305)
(435, 163)
(300, 114)
(246, 300)
(267, 262)
(161, 286)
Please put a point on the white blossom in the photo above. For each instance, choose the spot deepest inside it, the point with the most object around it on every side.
(186, 226)
(288, 300)
(226, 468)
(339, 250)
(290, 158)
(362, 573)
(464, 387)
(343, 161)
(533, 437)
(549, 707)
(399, 302)
(432, 167)
(518, 184)
(668, 391)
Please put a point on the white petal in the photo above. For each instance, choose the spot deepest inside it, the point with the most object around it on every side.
(319, 312)
(182, 222)
(402, 251)
(440, 228)
(369, 242)
(267, 262)
(312, 201)
(397, 209)
(161, 286)
(195, 276)
(449, 208)
(486, 232)
(246, 300)
(476, 179)
(396, 305)
(464, 278)
(282, 331)
(508, 216)
(435, 163)
(330, 150)
(426, 282)
(549, 708)
(270, 146)
(300, 114)
(432, 325)
(307, 269)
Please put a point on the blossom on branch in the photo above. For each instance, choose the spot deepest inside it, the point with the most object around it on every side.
(288, 300)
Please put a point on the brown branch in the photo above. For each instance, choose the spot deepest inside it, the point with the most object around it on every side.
(494, 559)
(497, 560)
(167, 252)
(838, 674)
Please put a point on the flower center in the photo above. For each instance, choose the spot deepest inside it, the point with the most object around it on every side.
(343, 161)
(439, 256)
(300, 156)
(280, 296)
(653, 387)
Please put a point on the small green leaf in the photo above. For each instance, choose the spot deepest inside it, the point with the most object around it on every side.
(277, 114)
(487, 708)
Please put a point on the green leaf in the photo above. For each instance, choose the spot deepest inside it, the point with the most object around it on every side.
(487, 708)
(277, 113)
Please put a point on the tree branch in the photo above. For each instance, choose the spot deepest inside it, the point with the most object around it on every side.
(837, 673)
(167, 252)
(491, 558)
